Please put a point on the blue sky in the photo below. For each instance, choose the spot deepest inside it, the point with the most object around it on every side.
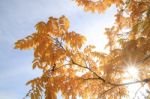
(17, 20)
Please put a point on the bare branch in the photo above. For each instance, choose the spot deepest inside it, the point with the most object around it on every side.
(138, 90)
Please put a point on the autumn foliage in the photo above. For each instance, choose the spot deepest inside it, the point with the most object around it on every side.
(80, 71)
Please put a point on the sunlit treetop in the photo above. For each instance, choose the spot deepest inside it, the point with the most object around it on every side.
(98, 5)
(81, 71)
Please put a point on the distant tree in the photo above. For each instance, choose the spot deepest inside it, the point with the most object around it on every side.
(78, 70)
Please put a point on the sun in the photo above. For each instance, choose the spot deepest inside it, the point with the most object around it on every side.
(133, 72)
(136, 91)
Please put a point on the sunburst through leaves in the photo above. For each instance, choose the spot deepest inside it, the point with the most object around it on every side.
(81, 71)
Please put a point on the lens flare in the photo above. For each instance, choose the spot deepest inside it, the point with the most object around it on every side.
(136, 91)
(132, 72)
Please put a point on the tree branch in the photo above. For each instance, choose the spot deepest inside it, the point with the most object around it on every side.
(102, 79)
(138, 90)
(103, 93)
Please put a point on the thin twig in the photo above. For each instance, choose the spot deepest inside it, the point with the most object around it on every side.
(138, 90)
(103, 93)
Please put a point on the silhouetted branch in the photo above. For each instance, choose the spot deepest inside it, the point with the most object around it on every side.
(61, 66)
(138, 90)
(103, 93)
(102, 79)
